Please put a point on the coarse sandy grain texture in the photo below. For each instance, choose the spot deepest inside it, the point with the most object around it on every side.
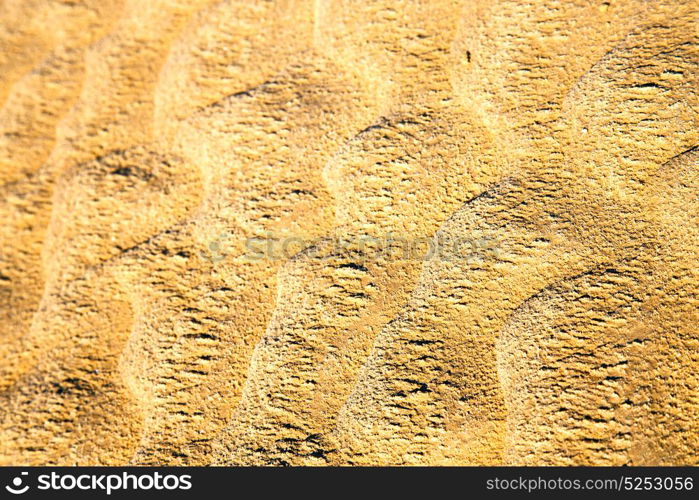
(206, 207)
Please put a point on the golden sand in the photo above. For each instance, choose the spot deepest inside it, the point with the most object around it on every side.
(152, 152)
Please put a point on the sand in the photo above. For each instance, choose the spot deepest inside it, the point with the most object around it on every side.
(336, 232)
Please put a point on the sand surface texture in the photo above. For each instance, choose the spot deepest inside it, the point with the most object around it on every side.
(349, 232)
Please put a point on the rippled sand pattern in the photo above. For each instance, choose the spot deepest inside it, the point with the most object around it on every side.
(144, 143)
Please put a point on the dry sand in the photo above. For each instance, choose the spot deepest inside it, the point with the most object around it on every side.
(153, 152)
